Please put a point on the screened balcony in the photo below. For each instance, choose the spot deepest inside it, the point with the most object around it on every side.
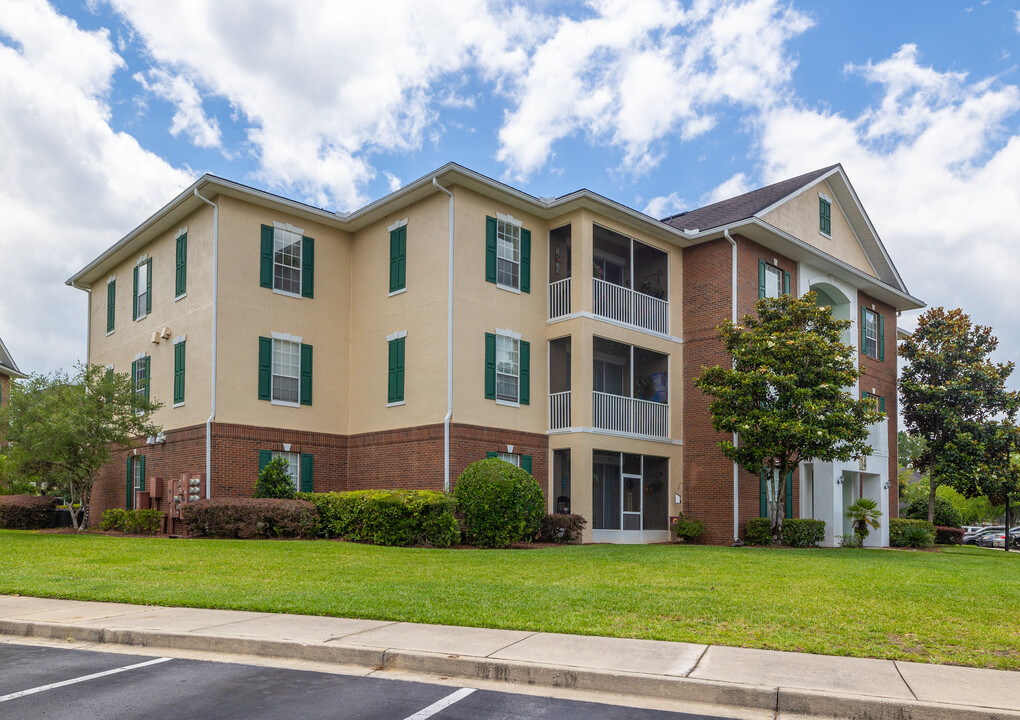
(630, 394)
(630, 282)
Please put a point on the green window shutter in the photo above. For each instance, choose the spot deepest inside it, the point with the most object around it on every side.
(824, 216)
(181, 285)
(145, 379)
(490, 366)
(525, 260)
(179, 372)
(306, 374)
(864, 323)
(881, 404)
(489, 455)
(789, 494)
(395, 392)
(398, 259)
(148, 286)
(141, 473)
(761, 283)
(134, 296)
(764, 499)
(134, 375)
(307, 267)
(786, 283)
(881, 338)
(265, 457)
(111, 304)
(524, 389)
(306, 473)
(490, 250)
(265, 368)
(526, 463)
(266, 262)
(129, 493)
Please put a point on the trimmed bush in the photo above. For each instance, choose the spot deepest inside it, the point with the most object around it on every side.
(500, 503)
(898, 526)
(916, 536)
(758, 532)
(136, 522)
(274, 481)
(561, 528)
(945, 514)
(948, 536)
(803, 532)
(687, 530)
(27, 512)
(386, 517)
(249, 518)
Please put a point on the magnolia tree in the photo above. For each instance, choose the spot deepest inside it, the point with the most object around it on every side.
(785, 395)
(63, 429)
(954, 398)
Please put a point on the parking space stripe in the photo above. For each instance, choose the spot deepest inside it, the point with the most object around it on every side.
(52, 686)
(441, 704)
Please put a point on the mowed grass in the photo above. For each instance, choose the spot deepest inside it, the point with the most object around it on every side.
(961, 605)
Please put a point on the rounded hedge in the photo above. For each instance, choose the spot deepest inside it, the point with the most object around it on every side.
(945, 514)
(499, 503)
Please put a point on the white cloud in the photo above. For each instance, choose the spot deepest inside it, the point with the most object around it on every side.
(736, 185)
(189, 117)
(665, 205)
(69, 185)
(1016, 17)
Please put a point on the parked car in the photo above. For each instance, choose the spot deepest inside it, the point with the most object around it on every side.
(984, 538)
(972, 538)
(999, 538)
(972, 529)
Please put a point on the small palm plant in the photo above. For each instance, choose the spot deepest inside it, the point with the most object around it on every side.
(864, 515)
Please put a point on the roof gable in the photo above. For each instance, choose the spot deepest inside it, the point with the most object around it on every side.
(7, 364)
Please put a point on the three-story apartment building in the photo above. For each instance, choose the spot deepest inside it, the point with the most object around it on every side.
(459, 318)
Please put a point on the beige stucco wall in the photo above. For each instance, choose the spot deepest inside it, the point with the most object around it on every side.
(799, 217)
(190, 316)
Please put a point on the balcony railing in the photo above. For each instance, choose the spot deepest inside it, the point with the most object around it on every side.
(630, 416)
(624, 305)
(878, 438)
(559, 298)
(559, 410)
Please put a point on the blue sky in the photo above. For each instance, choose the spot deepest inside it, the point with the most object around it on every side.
(112, 106)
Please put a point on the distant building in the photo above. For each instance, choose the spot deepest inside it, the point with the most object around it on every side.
(8, 371)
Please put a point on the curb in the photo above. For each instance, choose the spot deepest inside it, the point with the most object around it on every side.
(785, 702)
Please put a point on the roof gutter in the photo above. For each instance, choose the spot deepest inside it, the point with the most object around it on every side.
(215, 342)
(449, 348)
(88, 321)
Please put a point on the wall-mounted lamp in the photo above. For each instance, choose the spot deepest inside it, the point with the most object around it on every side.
(840, 479)
(885, 486)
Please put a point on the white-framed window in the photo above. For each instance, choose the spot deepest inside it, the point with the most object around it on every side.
(140, 378)
(293, 466)
(508, 254)
(508, 368)
(142, 296)
(773, 281)
(287, 261)
(286, 371)
(138, 475)
(512, 458)
(870, 333)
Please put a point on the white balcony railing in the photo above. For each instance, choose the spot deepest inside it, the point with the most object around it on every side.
(559, 410)
(627, 306)
(559, 298)
(878, 438)
(630, 415)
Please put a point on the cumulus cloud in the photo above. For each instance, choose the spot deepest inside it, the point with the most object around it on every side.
(70, 185)
(189, 117)
(736, 185)
(665, 205)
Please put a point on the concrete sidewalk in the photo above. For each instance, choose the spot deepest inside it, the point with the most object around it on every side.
(778, 684)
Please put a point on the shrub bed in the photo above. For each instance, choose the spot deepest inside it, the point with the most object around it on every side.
(136, 522)
(898, 526)
(499, 502)
(803, 532)
(249, 518)
(386, 517)
(686, 529)
(945, 514)
(758, 532)
(27, 512)
(561, 528)
(948, 535)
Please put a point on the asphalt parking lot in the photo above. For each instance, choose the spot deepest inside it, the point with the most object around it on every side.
(55, 683)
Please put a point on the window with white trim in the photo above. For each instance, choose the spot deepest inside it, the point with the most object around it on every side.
(870, 333)
(140, 380)
(293, 466)
(138, 475)
(508, 369)
(142, 296)
(511, 458)
(286, 371)
(773, 282)
(286, 261)
(508, 254)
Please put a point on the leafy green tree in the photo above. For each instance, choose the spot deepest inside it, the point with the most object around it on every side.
(785, 394)
(946, 515)
(864, 515)
(954, 399)
(909, 447)
(274, 481)
(64, 428)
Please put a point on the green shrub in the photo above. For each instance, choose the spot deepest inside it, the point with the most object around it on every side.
(386, 517)
(687, 530)
(803, 532)
(561, 528)
(135, 522)
(945, 514)
(27, 512)
(113, 519)
(758, 532)
(948, 536)
(274, 481)
(916, 536)
(898, 525)
(500, 503)
(249, 518)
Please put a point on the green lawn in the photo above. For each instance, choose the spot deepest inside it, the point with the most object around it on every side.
(961, 605)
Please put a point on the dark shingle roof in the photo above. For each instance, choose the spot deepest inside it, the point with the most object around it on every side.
(743, 206)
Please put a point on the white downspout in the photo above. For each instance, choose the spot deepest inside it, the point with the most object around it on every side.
(449, 350)
(215, 339)
(733, 318)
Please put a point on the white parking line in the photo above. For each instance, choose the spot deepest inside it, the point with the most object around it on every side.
(441, 704)
(52, 686)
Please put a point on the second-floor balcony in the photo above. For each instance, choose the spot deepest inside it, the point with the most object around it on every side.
(878, 438)
(630, 416)
(615, 302)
